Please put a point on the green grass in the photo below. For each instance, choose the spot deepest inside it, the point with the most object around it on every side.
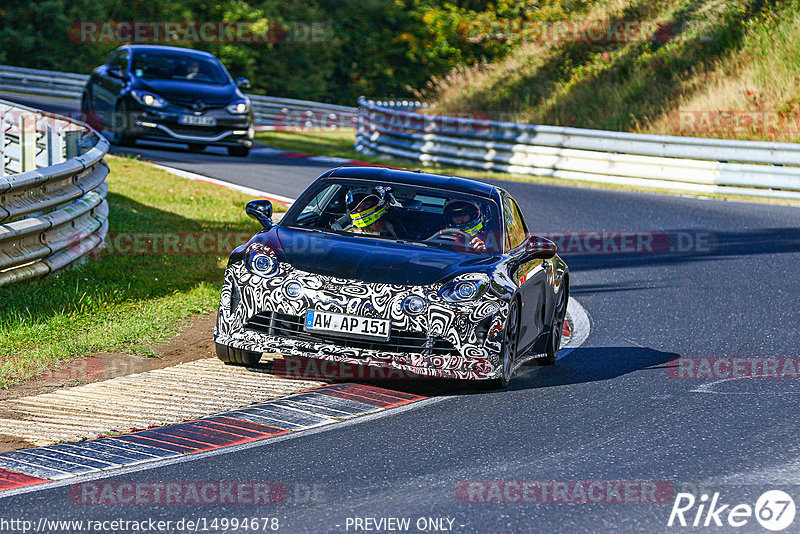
(712, 56)
(123, 302)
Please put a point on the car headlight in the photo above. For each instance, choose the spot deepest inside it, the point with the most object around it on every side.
(414, 305)
(239, 107)
(261, 262)
(148, 99)
(294, 290)
(462, 290)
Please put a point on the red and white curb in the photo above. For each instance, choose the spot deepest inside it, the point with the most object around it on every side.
(311, 409)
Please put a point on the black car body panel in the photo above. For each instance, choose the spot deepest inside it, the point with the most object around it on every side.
(371, 277)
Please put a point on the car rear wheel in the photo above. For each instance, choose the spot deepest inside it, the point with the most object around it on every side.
(232, 356)
(240, 151)
(556, 330)
(508, 353)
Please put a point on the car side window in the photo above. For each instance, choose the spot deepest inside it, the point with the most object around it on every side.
(118, 59)
(516, 230)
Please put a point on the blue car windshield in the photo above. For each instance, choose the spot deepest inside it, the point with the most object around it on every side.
(178, 67)
(400, 212)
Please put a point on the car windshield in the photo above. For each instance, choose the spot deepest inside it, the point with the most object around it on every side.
(402, 213)
(180, 67)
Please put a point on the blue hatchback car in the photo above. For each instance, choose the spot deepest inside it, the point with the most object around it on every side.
(164, 93)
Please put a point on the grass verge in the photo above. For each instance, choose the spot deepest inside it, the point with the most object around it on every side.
(123, 302)
(340, 144)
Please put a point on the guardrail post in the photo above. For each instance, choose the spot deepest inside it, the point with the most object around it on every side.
(73, 144)
(27, 142)
(53, 144)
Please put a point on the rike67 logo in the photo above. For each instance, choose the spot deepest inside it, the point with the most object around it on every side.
(774, 510)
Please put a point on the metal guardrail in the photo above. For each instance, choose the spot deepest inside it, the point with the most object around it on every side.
(271, 113)
(680, 163)
(53, 189)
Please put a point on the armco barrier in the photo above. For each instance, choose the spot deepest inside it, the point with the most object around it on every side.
(53, 188)
(680, 163)
(270, 112)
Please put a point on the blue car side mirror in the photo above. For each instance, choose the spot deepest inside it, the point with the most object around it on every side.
(260, 210)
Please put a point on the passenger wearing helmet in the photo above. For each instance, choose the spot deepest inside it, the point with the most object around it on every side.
(368, 215)
(467, 217)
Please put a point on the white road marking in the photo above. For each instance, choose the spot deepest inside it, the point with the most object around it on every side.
(581, 326)
(709, 387)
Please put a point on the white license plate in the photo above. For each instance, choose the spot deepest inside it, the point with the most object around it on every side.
(197, 120)
(350, 325)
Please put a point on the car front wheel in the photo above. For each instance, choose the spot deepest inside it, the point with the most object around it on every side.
(120, 125)
(508, 353)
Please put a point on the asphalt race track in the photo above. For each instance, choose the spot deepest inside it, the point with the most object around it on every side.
(692, 278)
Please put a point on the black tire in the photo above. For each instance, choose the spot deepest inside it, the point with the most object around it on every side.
(508, 353)
(239, 151)
(556, 329)
(119, 126)
(196, 147)
(232, 356)
(86, 110)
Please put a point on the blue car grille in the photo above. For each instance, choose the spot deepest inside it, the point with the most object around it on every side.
(403, 341)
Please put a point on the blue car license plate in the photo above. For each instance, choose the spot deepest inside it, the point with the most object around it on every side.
(349, 325)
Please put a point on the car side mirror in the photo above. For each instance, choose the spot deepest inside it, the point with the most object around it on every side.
(260, 210)
(116, 72)
(243, 83)
(539, 248)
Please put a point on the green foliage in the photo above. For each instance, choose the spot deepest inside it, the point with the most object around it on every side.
(371, 47)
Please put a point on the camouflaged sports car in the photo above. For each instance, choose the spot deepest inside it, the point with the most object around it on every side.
(432, 275)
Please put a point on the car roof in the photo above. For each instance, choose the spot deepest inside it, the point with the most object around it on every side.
(174, 49)
(450, 183)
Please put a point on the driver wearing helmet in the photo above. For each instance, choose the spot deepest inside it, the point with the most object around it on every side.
(368, 215)
(467, 217)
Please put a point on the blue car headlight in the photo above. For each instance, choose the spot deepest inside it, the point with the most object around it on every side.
(414, 305)
(148, 99)
(262, 262)
(294, 289)
(462, 290)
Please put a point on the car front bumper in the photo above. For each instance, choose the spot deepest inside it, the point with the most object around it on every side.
(228, 130)
(447, 340)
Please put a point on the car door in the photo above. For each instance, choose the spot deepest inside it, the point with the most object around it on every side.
(530, 275)
(109, 86)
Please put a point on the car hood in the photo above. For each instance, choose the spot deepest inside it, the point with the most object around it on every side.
(375, 260)
(180, 91)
